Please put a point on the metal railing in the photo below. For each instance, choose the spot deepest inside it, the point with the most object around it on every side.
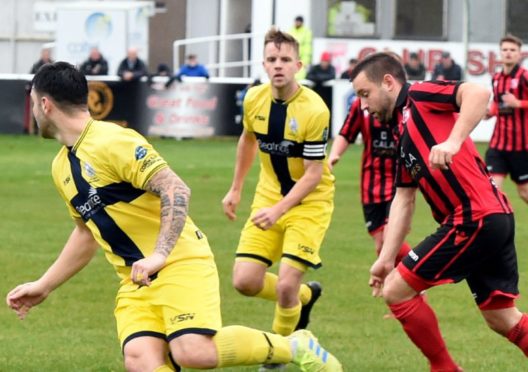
(217, 52)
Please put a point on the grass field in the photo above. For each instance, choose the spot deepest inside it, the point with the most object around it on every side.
(73, 330)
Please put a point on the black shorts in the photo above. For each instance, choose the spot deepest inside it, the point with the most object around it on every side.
(482, 252)
(376, 215)
(514, 163)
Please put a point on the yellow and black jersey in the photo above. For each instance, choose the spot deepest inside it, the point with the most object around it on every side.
(102, 179)
(288, 133)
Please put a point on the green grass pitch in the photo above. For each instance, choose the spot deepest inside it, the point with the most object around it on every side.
(73, 330)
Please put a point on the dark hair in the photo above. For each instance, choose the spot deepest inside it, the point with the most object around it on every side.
(276, 36)
(62, 82)
(377, 65)
(353, 60)
(511, 39)
(299, 19)
(414, 55)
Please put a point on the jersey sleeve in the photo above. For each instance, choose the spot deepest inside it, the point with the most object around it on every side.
(403, 178)
(436, 95)
(247, 109)
(314, 146)
(353, 122)
(71, 210)
(134, 159)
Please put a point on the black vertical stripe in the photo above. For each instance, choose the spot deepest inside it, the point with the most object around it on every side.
(520, 95)
(410, 147)
(448, 174)
(276, 124)
(118, 240)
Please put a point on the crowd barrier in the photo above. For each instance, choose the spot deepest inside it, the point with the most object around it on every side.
(189, 109)
(184, 110)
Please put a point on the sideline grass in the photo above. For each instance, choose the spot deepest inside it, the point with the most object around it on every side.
(73, 330)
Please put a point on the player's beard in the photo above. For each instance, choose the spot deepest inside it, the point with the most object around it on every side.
(386, 109)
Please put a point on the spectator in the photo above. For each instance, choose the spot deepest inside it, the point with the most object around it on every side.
(191, 68)
(303, 35)
(414, 68)
(352, 62)
(45, 57)
(132, 67)
(508, 147)
(163, 70)
(447, 69)
(323, 71)
(95, 64)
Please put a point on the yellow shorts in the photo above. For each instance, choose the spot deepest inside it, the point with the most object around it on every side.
(296, 236)
(184, 298)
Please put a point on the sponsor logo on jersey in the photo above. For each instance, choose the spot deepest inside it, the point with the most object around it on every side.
(91, 206)
(141, 152)
(260, 117)
(283, 148)
(149, 161)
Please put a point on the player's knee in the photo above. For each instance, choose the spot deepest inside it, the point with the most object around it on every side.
(391, 292)
(287, 291)
(497, 324)
(137, 362)
(200, 355)
(246, 285)
(523, 193)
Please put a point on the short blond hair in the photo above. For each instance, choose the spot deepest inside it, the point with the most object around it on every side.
(277, 37)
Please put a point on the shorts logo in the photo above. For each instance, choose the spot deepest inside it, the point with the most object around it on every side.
(182, 317)
(413, 256)
(523, 177)
(141, 152)
(305, 249)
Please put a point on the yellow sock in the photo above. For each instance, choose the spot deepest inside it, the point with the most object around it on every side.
(305, 294)
(164, 368)
(242, 346)
(269, 291)
(286, 319)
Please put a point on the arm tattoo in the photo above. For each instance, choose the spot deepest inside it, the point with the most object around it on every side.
(174, 198)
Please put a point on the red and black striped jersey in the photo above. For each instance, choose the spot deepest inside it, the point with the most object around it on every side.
(463, 193)
(378, 163)
(511, 127)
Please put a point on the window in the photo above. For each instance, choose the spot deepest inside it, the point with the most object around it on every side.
(351, 18)
(418, 19)
(516, 18)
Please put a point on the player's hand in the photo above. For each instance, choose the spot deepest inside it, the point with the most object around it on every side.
(378, 272)
(510, 100)
(441, 156)
(22, 298)
(144, 268)
(266, 217)
(332, 160)
(230, 203)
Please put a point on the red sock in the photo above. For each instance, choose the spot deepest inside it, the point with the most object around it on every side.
(404, 250)
(519, 334)
(420, 323)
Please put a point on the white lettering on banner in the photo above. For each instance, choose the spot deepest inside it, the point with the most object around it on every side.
(483, 60)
